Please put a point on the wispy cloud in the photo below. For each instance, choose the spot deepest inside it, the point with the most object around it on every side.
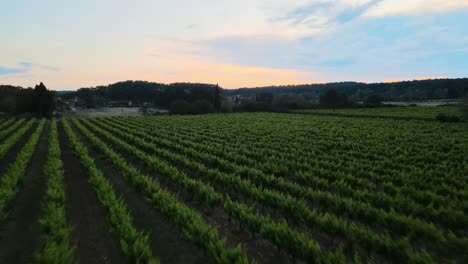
(414, 7)
(324, 15)
(45, 67)
(24, 67)
(356, 11)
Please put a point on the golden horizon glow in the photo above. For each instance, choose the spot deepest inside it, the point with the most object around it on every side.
(412, 79)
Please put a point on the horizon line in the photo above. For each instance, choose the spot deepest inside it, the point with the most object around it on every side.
(254, 87)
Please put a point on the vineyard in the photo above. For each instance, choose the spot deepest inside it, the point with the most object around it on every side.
(409, 113)
(234, 188)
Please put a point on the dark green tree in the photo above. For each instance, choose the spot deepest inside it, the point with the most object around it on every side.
(264, 97)
(464, 107)
(217, 98)
(203, 107)
(333, 99)
(43, 103)
(374, 100)
(38, 101)
(181, 107)
(25, 101)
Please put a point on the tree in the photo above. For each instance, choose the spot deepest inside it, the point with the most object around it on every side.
(333, 99)
(38, 101)
(374, 100)
(264, 97)
(25, 101)
(217, 98)
(8, 98)
(43, 103)
(290, 101)
(203, 107)
(464, 107)
(181, 107)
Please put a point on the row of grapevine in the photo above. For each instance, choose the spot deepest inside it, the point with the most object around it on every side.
(11, 141)
(440, 212)
(305, 247)
(6, 123)
(6, 131)
(310, 141)
(134, 243)
(56, 248)
(394, 223)
(424, 218)
(189, 220)
(426, 113)
(302, 151)
(289, 206)
(297, 151)
(10, 181)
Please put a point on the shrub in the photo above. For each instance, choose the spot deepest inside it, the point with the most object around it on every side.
(464, 107)
(333, 99)
(203, 107)
(227, 106)
(447, 118)
(292, 101)
(181, 107)
(373, 100)
(252, 107)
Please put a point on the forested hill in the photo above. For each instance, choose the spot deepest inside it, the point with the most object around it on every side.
(394, 91)
(139, 92)
(163, 95)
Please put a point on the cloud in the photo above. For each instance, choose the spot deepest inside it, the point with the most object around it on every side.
(24, 68)
(26, 65)
(414, 7)
(324, 15)
(355, 11)
(45, 67)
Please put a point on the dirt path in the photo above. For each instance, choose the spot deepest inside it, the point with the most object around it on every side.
(91, 234)
(20, 235)
(167, 241)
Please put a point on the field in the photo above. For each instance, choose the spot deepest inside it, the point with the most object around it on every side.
(410, 113)
(234, 188)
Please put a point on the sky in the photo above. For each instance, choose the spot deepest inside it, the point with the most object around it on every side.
(244, 43)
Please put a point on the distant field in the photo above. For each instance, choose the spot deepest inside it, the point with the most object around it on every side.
(399, 112)
(235, 188)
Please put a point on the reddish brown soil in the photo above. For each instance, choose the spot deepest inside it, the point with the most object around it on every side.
(20, 234)
(91, 235)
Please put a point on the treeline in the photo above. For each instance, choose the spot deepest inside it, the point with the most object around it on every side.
(140, 93)
(356, 91)
(38, 101)
(196, 98)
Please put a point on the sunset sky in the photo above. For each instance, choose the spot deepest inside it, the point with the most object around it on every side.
(243, 43)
